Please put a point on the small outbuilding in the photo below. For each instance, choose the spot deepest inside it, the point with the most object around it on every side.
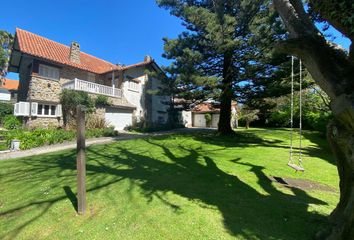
(206, 114)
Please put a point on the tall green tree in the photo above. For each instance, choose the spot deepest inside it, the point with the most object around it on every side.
(219, 45)
(332, 69)
(6, 40)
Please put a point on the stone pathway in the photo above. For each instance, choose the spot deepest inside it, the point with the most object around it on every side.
(72, 145)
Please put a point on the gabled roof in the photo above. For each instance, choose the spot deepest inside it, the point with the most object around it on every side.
(205, 107)
(10, 84)
(141, 64)
(44, 48)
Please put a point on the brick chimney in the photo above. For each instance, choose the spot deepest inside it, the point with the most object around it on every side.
(75, 52)
(147, 58)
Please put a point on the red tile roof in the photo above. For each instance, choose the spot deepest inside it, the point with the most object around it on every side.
(137, 65)
(10, 84)
(205, 108)
(41, 47)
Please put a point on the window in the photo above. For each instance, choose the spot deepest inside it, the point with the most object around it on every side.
(46, 110)
(49, 72)
(91, 77)
(133, 86)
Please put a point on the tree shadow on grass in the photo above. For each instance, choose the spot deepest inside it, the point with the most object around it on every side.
(245, 139)
(193, 175)
(246, 212)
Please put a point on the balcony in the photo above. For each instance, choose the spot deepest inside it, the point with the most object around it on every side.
(95, 88)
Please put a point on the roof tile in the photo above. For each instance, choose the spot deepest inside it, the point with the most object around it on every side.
(10, 84)
(42, 47)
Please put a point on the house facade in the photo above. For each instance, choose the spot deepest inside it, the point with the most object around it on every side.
(46, 68)
(196, 115)
(8, 89)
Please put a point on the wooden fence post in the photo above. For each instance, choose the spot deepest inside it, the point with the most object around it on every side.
(81, 160)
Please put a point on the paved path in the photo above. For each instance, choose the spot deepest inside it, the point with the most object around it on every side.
(89, 142)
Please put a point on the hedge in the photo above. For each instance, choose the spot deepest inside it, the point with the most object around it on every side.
(41, 137)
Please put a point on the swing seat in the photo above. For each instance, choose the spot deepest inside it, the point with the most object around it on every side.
(296, 167)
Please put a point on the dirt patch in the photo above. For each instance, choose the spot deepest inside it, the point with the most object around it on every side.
(303, 184)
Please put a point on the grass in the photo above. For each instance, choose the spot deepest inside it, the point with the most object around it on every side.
(3, 145)
(182, 186)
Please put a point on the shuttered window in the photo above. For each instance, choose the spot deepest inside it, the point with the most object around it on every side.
(133, 86)
(48, 72)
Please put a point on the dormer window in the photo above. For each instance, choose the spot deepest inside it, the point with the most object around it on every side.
(48, 72)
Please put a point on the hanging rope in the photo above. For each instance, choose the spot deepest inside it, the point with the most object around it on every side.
(300, 109)
(291, 111)
(291, 163)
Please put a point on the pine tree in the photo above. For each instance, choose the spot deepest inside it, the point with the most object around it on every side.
(6, 40)
(223, 39)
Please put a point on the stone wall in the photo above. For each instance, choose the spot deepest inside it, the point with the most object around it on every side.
(44, 90)
(43, 122)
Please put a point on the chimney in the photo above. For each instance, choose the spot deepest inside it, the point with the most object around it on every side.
(75, 52)
(147, 58)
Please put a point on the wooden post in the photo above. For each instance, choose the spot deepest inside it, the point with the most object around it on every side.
(81, 161)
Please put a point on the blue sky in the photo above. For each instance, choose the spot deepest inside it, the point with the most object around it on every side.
(118, 31)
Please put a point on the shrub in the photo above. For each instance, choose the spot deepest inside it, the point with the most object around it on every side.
(11, 122)
(207, 117)
(40, 137)
(70, 99)
(101, 101)
(5, 109)
(94, 121)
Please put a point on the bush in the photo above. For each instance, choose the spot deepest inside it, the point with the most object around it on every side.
(94, 121)
(208, 119)
(11, 122)
(317, 120)
(101, 101)
(5, 109)
(41, 137)
(70, 99)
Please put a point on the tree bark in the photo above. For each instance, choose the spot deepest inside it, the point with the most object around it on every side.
(224, 126)
(247, 124)
(333, 71)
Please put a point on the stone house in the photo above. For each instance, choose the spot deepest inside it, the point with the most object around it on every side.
(46, 67)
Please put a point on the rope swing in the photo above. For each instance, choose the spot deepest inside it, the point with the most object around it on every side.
(297, 166)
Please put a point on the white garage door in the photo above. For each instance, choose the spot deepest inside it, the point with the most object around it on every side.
(199, 120)
(119, 118)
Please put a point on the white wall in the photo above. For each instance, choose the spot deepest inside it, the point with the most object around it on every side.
(215, 120)
(137, 99)
(5, 96)
(199, 120)
(186, 118)
(159, 108)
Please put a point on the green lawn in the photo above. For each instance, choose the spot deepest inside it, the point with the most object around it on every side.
(185, 186)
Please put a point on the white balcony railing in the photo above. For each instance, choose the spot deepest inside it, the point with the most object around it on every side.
(81, 85)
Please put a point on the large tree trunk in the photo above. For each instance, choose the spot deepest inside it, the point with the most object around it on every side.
(342, 218)
(333, 71)
(224, 126)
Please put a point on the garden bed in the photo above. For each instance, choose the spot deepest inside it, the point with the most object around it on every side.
(41, 137)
